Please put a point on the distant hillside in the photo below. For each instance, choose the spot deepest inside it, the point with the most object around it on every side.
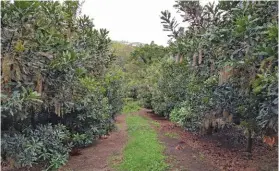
(136, 44)
(129, 43)
(123, 49)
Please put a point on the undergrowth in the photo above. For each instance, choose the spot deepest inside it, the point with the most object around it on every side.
(130, 106)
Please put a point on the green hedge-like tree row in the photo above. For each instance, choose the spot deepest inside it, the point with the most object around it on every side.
(224, 69)
(58, 89)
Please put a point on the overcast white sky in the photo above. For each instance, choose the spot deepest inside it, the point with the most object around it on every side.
(131, 20)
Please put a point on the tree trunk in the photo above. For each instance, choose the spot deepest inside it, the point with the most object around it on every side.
(249, 141)
(200, 56)
(177, 58)
(33, 123)
(212, 67)
(181, 58)
(209, 130)
(194, 59)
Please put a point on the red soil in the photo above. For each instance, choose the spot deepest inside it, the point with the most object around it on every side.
(97, 157)
(216, 152)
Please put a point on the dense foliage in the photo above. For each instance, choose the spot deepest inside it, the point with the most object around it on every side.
(223, 69)
(238, 43)
(63, 81)
(58, 87)
(47, 145)
(137, 81)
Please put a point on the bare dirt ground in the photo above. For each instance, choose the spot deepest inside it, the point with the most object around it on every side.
(97, 157)
(190, 152)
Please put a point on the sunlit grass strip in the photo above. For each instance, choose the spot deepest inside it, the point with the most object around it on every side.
(143, 151)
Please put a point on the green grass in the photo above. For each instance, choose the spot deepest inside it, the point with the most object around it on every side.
(115, 159)
(156, 124)
(172, 135)
(130, 106)
(143, 151)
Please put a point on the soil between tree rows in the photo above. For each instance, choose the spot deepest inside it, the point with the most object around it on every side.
(205, 153)
(184, 151)
(97, 157)
(181, 156)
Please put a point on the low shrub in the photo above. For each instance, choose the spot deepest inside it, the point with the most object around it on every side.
(80, 140)
(184, 115)
(48, 145)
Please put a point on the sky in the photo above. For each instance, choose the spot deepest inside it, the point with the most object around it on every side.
(132, 20)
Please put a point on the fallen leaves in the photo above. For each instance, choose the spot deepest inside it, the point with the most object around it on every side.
(179, 147)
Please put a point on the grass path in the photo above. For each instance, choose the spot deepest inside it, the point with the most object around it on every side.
(143, 151)
(148, 142)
